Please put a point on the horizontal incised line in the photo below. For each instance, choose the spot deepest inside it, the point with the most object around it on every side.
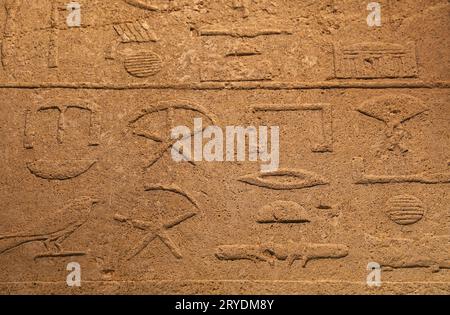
(325, 281)
(239, 85)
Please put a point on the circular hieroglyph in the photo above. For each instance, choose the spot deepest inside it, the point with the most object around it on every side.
(405, 209)
(143, 64)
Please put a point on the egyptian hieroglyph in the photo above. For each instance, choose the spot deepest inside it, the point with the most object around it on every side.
(88, 100)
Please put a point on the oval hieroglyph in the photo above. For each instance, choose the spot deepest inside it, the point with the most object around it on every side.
(405, 209)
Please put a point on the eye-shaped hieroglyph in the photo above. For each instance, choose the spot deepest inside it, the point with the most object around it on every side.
(284, 179)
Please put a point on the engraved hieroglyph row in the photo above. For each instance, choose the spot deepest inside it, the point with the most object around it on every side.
(392, 110)
(223, 41)
(228, 218)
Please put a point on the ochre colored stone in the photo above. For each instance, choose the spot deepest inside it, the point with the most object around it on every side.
(87, 177)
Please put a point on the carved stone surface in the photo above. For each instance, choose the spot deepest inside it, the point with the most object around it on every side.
(87, 176)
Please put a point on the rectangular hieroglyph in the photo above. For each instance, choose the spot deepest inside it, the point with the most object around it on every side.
(375, 61)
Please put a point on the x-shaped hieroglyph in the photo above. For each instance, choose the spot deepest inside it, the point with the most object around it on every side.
(155, 231)
(158, 230)
(166, 142)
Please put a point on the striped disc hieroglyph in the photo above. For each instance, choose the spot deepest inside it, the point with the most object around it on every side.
(143, 64)
(405, 209)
